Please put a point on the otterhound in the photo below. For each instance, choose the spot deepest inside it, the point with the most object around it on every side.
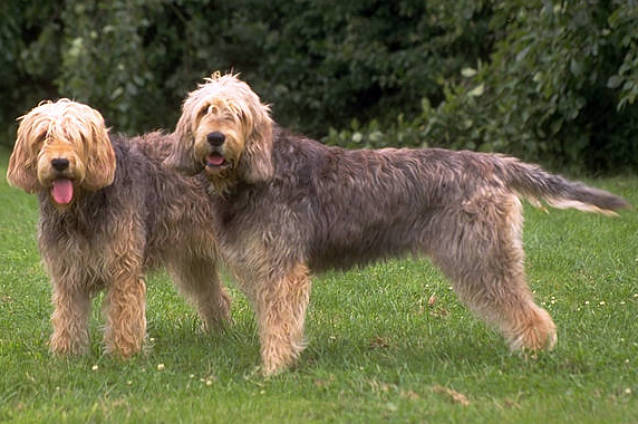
(101, 225)
(286, 206)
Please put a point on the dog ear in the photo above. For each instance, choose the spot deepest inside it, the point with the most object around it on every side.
(256, 160)
(181, 156)
(100, 157)
(23, 163)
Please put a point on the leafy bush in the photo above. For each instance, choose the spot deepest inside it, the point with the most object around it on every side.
(320, 63)
(541, 80)
(560, 87)
(29, 57)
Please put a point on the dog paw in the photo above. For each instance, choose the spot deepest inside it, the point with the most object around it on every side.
(536, 332)
(64, 346)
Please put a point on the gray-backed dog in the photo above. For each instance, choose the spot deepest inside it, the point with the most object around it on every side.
(286, 206)
(108, 212)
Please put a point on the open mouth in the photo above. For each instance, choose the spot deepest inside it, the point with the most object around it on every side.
(62, 191)
(215, 161)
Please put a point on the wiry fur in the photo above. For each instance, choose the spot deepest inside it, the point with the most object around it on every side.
(136, 217)
(326, 207)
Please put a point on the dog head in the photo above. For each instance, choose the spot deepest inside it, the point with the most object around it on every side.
(62, 146)
(225, 131)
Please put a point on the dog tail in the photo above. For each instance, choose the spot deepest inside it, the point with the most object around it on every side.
(536, 184)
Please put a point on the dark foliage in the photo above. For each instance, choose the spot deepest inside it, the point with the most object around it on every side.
(547, 81)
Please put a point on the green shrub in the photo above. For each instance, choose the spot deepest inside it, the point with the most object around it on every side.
(320, 63)
(550, 82)
(560, 87)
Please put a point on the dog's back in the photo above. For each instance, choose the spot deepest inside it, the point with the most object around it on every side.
(155, 145)
(364, 205)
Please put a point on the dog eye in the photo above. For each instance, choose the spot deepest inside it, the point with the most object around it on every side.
(202, 111)
(40, 139)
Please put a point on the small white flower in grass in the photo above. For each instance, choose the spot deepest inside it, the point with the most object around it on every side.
(627, 391)
(129, 382)
(209, 382)
(635, 294)
(392, 407)
(152, 339)
(602, 302)
(160, 367)
(626, 361)
(94, 367)
(587, 302)
(191, 376)
(622, 302)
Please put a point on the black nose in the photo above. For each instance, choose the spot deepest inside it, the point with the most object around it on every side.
(60, 164)
(215, 139)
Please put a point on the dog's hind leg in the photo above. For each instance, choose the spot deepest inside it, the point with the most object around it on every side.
(198, 279)
(481, 251)
(281, 312)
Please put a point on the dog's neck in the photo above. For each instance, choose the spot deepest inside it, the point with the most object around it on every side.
(227, 189)
(221, 188)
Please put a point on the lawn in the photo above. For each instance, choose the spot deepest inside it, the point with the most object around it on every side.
(388, 343)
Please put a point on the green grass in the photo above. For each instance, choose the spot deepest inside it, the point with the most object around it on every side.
(377, 351)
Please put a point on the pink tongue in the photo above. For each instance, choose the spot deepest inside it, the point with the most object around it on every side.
(62, 191)
(215, 160)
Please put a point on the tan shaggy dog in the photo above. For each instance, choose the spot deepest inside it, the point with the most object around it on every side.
(109, 211)
(286, 206)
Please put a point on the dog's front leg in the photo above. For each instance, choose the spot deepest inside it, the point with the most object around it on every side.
(124, 306)
(281, 311)
(71, 306)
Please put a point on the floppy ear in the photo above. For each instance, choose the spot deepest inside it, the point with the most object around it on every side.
(181, 156)
(100, 158)
(23, 163)
(256, 160)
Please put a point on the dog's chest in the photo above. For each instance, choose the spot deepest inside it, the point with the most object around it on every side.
(72, 240)
(83, 232)
(233, 209)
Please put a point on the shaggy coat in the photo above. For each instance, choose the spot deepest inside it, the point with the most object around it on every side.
(107, 237)
(314, 207)
(337, 208)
